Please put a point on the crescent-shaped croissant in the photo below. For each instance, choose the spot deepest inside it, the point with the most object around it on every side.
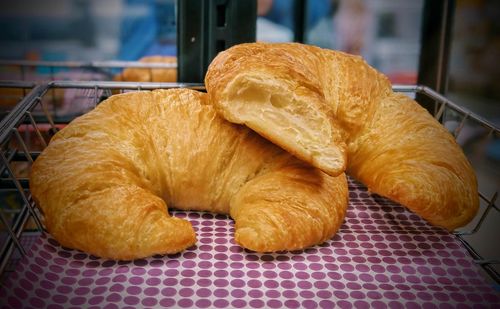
(335, 111)
(104, 181)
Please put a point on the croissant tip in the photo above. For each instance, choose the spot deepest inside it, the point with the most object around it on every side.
(248, 238)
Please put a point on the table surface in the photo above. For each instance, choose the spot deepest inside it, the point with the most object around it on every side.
(382, 257)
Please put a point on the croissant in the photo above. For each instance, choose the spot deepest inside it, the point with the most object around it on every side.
(104, 181)
(305, 99)
(165, 75)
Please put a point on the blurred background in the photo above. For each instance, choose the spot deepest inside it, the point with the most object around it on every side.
(386, 33)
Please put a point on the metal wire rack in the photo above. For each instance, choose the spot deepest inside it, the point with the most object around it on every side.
(11, 92)
(24, 70)
(25, 132)
(31, 72)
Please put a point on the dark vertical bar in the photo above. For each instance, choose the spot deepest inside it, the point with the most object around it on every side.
(207, 27)
(230, 22)
(221, 14)
(190, 17)
(300, 18)
(436, 33)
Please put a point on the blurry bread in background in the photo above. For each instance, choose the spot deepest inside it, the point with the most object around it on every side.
(9, 97)
(164, 75)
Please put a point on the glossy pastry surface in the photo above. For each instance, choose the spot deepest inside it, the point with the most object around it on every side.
(104, 181)
(330, 108)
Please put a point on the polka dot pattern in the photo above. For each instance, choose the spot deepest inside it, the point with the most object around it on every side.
(382, 257)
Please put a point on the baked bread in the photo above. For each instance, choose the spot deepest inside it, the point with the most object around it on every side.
(392, 144)
(280, 98)
(104, 181)
(159, 75)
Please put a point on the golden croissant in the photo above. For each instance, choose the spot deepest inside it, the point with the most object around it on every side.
(336, 112)
(104, 181)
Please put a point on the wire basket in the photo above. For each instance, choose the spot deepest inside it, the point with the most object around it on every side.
(11, 92)
(17, 76)
(480, 140)
(28, 128)
(45, 71)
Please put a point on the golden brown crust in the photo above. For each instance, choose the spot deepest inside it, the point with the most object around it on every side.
(393, 145)
(104, 181)
(403, 153)
(278, 93)
(270, 209)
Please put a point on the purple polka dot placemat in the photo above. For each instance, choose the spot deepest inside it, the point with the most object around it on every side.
(382, 257)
